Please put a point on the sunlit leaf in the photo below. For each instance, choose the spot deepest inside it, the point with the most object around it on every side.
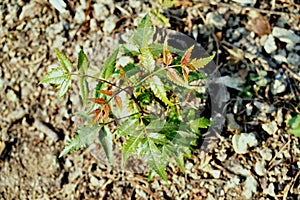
(56, 76)
(187, 55)
(147, 59)
(175, 78)
(106, 139)
(128, 127)
(143, 33)
(85, 136)
(84, 90)
(158, 89)
(167, 55)
(99, 101)
(64, 87)
(196, 64)
(155, 125)
(156, 159)
(83, 63)
(131, 145)
(64, 61)
(109, 65)
(185, 72)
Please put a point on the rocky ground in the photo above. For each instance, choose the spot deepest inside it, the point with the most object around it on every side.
(257, 45)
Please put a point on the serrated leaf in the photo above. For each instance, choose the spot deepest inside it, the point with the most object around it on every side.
(56, 76)
(196, 64)
(83, 63)
(106, 139)
(187, 55)
(175, 152)
(84, 90)
(185, 72)
(85, 136)
(73, 145)
(109, 65)
(127, 127)
(64, 87)
(143, 33)
(156, 159)
(175, 78)
(199, 123)
(147, 59)
(107, 92)
(64, 61)
(158, 89)
(167, 55)
(131, 145)
(155, 125)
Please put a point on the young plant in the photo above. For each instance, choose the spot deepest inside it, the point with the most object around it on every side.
(145, 97)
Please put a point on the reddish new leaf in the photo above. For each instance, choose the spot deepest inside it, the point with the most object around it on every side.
(118, 102)
(98, 114)
(106, 111)
(167, 55)
(100, 101)
(107, 92)
(187, 55)
(185, 72)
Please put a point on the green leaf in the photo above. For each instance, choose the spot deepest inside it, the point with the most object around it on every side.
(175, 152)
(131, 145)
(155, 125)
(83, 63)
(84, 90)
(295, 126)
(64, 87)
(84, 137)
(109, 65)
(199, 123)
(201, 62)
(147, 59)
(158, 89)
(175, 78)
(56, 76)
(156, 159)
(127, 127)
(106, 139)
(143, 33)
(74, 144)
(64, 61)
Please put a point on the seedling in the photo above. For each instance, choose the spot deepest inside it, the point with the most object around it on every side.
(150, 102)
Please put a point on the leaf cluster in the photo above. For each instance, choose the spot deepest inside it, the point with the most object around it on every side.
(143, 99)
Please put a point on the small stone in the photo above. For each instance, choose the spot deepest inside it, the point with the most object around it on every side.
(260, 168)
(278, 87)
(293, 59)
(28, 11)
(250, 187)
(109, 24)
(101, 12)
(11, 96)
(280, 59)
(79, 16)
(134, 4)
(266, 154)
(243, 141)
(287, 36)
(271, 127)
(270, 190)
(93, 24)
(270, 45)
(215, 19)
